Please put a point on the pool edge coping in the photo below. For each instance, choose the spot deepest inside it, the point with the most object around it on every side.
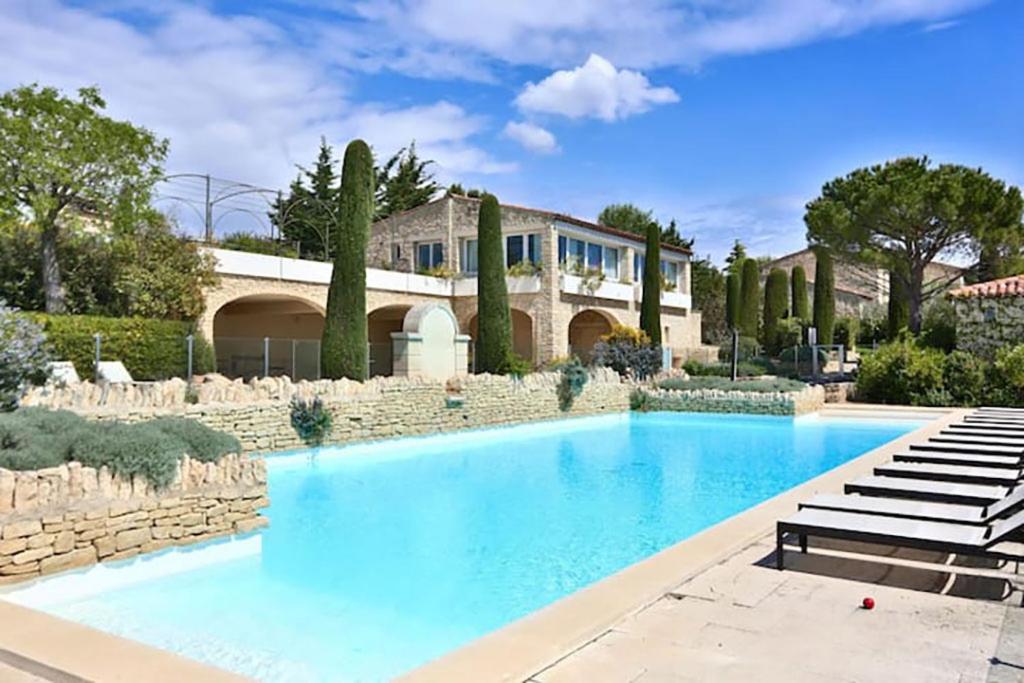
(526, 647)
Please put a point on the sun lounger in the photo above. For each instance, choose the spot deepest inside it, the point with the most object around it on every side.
(994, 420)
(928, 490)
(1000, 409)
(980, 449)
(969, 459)
(983, 439)
(948, 538)
(915, 509)
(955, 473)
(992, 427)
(980, 430)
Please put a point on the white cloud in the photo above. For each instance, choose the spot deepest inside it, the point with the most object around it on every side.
(236, 95)
(452, 36)
(531, 136)
(939, 26)
(597, 90)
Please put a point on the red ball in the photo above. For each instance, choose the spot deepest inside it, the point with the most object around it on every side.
(869, 603)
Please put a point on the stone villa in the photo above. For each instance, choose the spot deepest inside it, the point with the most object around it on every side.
(989, 315)
(570, 280)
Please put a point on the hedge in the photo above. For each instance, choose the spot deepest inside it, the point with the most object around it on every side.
(723, 384)
(150, 349)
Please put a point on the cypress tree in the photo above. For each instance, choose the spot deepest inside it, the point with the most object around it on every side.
(824, 296)
(750, 298)
(899, 305)
(343, 348)
(776, 301)
(494, 326)
(732, 301)
(801, 306)
(650, 304)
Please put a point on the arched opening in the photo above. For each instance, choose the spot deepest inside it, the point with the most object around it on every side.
(586, 329)
(522, 333)
(268, 334)
(380, 323)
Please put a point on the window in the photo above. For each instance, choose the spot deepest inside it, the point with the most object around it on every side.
(513, 250)
(670, 271)
(470, 264)
(594, 256)
(429, 255)
(396, 254)
(638, 267)
(563, 249)
(611, 263)
(533, 249)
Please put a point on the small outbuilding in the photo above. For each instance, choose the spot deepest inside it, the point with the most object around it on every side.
(989, 315)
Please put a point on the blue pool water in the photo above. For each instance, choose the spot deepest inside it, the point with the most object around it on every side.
(381, 557)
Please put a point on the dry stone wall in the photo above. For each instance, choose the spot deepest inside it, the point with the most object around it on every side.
(986, 324)
(72, 516)
(258, 411)
(802, 402)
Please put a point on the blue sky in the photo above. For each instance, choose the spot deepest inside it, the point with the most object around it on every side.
(725, 115)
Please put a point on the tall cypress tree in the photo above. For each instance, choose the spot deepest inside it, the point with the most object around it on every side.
(732, 301)
(899, 305)
(801, 306)
(824, 296)
(776, 301)
(343, 348)
(494, 321)
(650, 304)
(750, 298)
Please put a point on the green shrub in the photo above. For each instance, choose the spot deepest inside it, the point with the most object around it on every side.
(202, 443)
(628, 351)
(494, 324)
(824, 296)
(798, 284)
(515, 365)
(846, 330)
(938, 325)
(24, 356)
(900, 372)
(776, 305)
(343, 345)
(753, 368)
(311, 420)
(750, 298)
(789, 333)
(748, 349)
(650, 303)
(33, 438)
(255, 244)
(570, 384)
(754, 385)
(732, 301)
(963, 378)
(150, 349)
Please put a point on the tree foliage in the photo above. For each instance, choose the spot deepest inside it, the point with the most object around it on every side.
(801, 306)
(905, 214)
(494, 326)
(145, 271)
(650, 303)
(776, 305)
(824, 296)
(631, 218)
(308, 216)
(750, 298)
(709, 297)
(59, 153)
(734, 261)
(343, 349)
(732, 300)
(404, 182)
(24, 356)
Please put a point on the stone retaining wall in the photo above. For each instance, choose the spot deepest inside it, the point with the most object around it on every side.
(72, 516)
(258, 412)
(985, 324)
(802, 402)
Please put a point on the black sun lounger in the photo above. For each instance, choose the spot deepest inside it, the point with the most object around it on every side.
(955, 473)
(970, 459)
(923, 489)
(983, 439)
(916, 509)
(944, 537)
(981, 430)
(992, 427)
(932, 445)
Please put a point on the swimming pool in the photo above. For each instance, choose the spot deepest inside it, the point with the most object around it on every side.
(380, 557)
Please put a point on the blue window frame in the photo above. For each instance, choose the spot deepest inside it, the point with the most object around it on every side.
(594, 259)
(563, 249)
(429, 255)
(513, 250)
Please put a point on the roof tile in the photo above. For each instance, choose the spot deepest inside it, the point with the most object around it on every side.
(1007, 286)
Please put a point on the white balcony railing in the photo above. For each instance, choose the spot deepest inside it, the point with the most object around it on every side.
(616, 291)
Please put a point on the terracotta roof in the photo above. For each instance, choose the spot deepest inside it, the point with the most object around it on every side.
(565, 218)
(1007, 286)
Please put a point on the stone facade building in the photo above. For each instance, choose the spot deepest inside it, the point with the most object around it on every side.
(989, 315)
(859, 287)
(569, 281)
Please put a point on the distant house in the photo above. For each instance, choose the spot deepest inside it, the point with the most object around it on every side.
(989, 315)
(858, 287)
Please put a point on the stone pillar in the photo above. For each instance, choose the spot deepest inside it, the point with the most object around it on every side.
(406, 354)
(462, 354)
(550, 337)
(685, 278)
(626, 266)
